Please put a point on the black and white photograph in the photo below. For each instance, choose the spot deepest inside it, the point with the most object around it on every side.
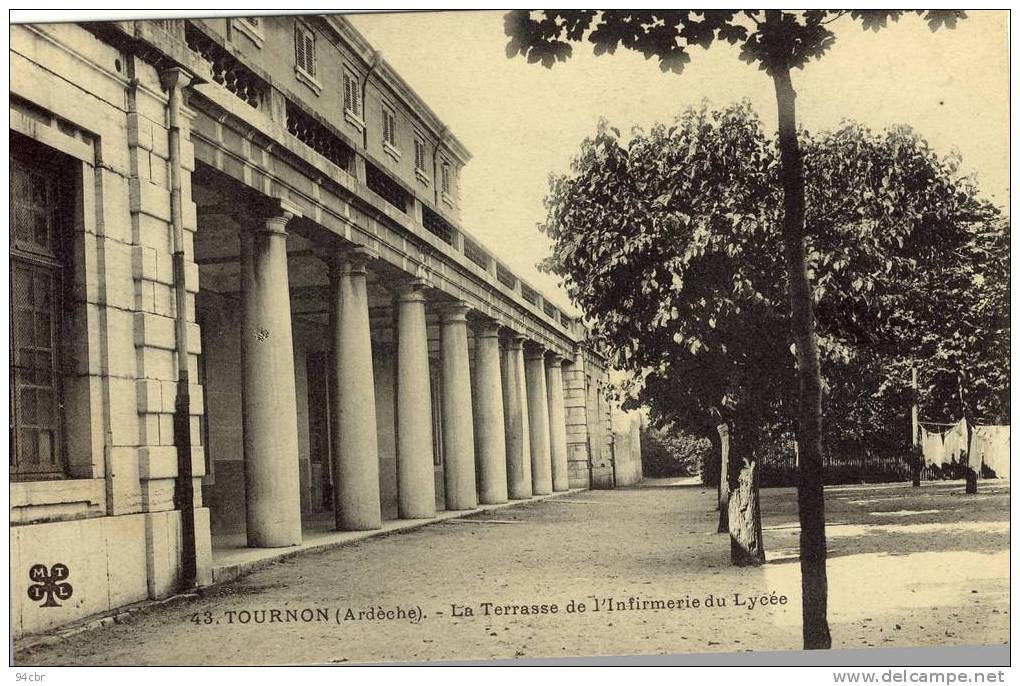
(503, 337)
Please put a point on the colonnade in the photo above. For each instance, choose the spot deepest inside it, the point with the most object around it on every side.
(507, 440)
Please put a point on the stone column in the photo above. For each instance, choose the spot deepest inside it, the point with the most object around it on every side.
(515, 414)
(490, 430)
(538, 418)
(416, 484)
(458, 429)
(557, 424)
(355, 459)
(269, 406)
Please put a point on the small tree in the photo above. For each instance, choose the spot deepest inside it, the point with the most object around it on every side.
(777, 42)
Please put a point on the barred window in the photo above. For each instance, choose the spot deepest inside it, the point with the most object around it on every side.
(304, 48)
(41, 201)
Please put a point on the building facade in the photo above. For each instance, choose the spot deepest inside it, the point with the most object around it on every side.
(243, 304)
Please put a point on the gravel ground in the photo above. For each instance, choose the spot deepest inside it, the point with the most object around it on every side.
(907, 567)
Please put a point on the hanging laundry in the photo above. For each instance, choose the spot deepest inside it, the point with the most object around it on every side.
(976, 453)
(990, 446)
(955, 443)
(932, 448)
(978, 443)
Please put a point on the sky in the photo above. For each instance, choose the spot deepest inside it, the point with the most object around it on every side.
(523, 122)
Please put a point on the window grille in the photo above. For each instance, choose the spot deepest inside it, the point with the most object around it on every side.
(39, 200)
(505, 276)
(437, 225)
(529, 294)
(475, 253)
(380, 183)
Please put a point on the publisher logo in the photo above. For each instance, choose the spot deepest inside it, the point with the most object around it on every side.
(49, 584)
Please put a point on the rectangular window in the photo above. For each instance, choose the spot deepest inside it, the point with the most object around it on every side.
(249, 27)
(420, 156)
(445, 178)
(40, 196)
(389, 126)
(304, 49)
(352, 95)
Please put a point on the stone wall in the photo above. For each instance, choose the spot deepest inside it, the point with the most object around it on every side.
(574, 398)
(112, 520)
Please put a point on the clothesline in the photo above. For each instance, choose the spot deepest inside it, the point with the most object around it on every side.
(987, 446)
(925, 421)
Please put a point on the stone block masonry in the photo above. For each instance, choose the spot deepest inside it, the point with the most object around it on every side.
(353, 355)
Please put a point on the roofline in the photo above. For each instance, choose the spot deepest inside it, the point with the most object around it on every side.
(346, 31)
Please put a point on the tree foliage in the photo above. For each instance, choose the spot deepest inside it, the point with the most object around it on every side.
(666, 240)
(667, 452)
(669, 35)
(776, 41)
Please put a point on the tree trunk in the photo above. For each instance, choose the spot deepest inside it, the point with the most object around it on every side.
(810, 497)
(724, 479)
(710, 474)
(743, 512)
(747, 547)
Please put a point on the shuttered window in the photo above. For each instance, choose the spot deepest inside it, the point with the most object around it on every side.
(389, 126)
(39, 199)
(352, 95)
(419, 155)
(304, 49)
(446, 177)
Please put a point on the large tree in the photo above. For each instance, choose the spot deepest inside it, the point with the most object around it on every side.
(682, 283)
(910, 268)
(777, 42)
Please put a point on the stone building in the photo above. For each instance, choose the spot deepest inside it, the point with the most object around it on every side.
(243, 304)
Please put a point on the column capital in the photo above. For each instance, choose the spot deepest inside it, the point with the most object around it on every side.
(349, 259)
(275, 215)
(488, 328)
(534, 351)
(175, 77)
(411, 290)
(555, 359)
(454, 312)
(515, 341)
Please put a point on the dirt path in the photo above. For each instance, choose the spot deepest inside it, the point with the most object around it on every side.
(907, 567)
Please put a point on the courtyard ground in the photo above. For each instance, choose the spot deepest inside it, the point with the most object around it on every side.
(907, 567)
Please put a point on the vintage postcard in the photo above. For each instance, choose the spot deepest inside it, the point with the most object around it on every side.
(458, 336)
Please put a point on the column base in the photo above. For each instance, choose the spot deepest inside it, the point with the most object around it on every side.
(273, 542)
(368, 526)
